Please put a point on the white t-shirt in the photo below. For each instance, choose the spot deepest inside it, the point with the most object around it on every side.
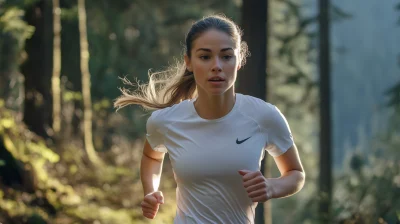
(207, 154)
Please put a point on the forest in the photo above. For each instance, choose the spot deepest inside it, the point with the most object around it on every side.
(68, 157)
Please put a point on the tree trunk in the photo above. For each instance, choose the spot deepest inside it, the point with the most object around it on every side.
(37, 69)
(70, 60)
(252, 78)
(55, 80)
(325, 178)
(11, 80)
(87, 102)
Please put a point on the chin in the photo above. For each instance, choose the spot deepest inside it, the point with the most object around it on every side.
(217, 92)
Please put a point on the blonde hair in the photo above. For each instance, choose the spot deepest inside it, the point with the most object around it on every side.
(175, 84)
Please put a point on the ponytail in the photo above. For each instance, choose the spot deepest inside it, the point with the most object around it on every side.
(164, 89)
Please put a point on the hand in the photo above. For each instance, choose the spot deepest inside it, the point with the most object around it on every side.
(257, 186)
(151, 203)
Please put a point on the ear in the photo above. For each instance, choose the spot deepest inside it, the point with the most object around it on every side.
(188, 63)
(239, 67)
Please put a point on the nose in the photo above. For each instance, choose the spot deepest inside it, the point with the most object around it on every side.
(217, 67)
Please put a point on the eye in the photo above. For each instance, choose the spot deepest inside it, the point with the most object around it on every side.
(205, 57)
(227, 57)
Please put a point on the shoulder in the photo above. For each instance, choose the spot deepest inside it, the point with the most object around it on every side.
(264, 113)
(257, 107)
(254, 101)
(168, 114)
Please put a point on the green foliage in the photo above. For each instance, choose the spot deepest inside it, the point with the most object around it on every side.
(18, 208)
(368, 191)
(69, 96)
(5, 4)
(66, 189)
(293, 89)
(13, 33)
(11, 22)
(24, 151)
(70, 14)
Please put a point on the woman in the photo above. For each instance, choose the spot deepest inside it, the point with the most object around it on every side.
(216, 138)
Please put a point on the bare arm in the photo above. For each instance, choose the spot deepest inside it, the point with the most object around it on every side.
(292, 176)
(150, 169)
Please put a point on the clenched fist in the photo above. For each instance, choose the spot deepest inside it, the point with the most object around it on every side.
(257, 186)
(151, 203)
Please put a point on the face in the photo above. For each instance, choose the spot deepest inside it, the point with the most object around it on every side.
(214, 62)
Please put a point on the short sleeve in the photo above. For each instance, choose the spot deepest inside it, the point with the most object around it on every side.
(280, 138)
(154, 133)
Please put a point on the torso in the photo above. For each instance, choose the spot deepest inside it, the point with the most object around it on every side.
(206, 156)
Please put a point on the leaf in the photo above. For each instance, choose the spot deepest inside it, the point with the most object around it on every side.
(2, 162)
(7, 123)
(294, 79)
(12, 22)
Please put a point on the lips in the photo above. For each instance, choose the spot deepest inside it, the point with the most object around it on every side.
(216, 79)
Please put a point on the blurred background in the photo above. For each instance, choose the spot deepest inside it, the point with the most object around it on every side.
(66, 155)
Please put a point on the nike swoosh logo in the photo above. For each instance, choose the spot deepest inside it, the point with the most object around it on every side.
(240, 142)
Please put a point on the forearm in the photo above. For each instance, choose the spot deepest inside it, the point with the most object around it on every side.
(150, 174)
(288, 184)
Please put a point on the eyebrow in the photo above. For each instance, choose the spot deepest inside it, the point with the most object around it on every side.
(208, 50)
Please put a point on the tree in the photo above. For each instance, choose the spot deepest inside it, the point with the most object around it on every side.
(55, 80)
(71, 84)
(87, 102)
(13, 34)
(394, 92)
(252, 78)
(37, 69)
(325, 177)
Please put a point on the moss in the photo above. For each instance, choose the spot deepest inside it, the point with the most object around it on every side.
(102, 213)
(64, 187)
(18, 208)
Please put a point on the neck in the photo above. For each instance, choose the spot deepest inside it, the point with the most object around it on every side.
(214, 106)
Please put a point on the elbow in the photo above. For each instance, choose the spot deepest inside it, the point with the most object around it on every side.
(289, 184)
(301, 179)
(298, 179)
